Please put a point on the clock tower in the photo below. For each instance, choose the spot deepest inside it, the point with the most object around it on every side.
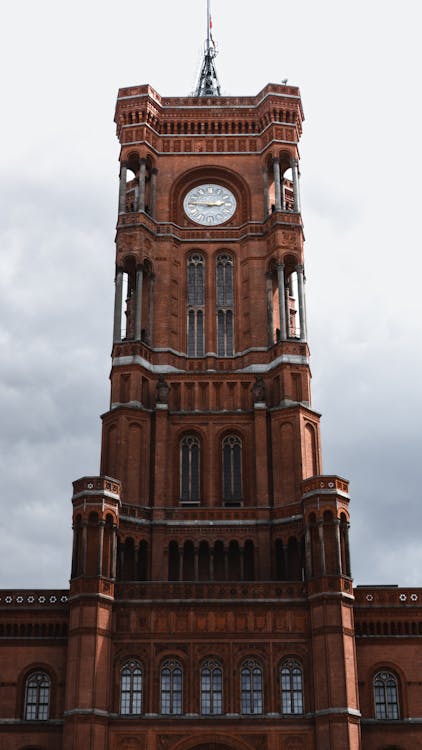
(211, 598)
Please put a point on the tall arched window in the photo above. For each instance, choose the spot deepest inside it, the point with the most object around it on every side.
(190, 469)
(251, 691)
(291, 686)
(224, 284)
(195, 300)
(211, 687)
(171, 687)
(37, 697)
(232, 469)
(131, 689)
(386, 698)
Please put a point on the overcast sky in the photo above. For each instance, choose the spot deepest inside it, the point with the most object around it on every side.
(358, 68)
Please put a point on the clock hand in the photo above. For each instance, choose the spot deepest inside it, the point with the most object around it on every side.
(206, 203)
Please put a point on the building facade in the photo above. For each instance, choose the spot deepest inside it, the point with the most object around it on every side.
(211, 602)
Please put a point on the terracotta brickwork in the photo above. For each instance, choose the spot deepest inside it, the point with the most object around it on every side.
(211, 603)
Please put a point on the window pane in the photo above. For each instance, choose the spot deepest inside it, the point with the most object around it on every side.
(200, 334)
(206, 679)
(237, 474)
(191, 333)
(200, 285)
(227, 493)
(165, 679)
(297, 703)
(191, 284)
(246, 703)
(194, 495)
(37, 697)
(229, 333)
(220, 284)
(291, 682)
(229, 284)
(386, 696)
(185, 482)
(137, 703)
(220, 334)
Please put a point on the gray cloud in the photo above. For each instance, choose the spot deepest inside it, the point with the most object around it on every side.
(361, 201)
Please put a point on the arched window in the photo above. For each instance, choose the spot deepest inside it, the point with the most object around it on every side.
(171, 687)
(224, 283)
(195, 306)
(37, 697)
(190, 469)
(291, 686)
(211, 687)
(386, 698)
(251, 692)
(232, 469)
(131, 689)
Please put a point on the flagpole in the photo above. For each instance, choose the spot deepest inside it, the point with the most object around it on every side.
(208, 24)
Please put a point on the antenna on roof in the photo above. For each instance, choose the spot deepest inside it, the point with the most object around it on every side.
(208, 84)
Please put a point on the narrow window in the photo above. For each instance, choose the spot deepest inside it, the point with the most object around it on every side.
(291, 684)
(224, 283)
(232, 469)
(195, 306)
(190, 469)
(171, 687)
(37, 697)
(251, 688)
(211, 688)
(131, 689)
(386, 696)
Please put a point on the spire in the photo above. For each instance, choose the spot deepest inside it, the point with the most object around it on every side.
(208, 84)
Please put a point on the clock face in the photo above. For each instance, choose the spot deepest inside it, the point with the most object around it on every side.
(209, 204)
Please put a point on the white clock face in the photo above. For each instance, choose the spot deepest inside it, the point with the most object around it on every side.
(209, 204)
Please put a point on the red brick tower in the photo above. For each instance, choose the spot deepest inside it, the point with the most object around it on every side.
(211, 599)
(210, 604)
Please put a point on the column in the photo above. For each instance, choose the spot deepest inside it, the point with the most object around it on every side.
(153, 192)
(338, 546)
(211, 563)
(287, 308)
(122, 189)
(282, 193)
(270, 318)
(142, 169)
(118, 294)
(84, 546)
(138, 312)
(321, 547)
(226, 563)
(100, 548)
(296, 192)
(284, 332)
(75, 551)
(266, 196)
(150, 309)
(277, 190)
(348, 570)
(301, 300)
(113, 561)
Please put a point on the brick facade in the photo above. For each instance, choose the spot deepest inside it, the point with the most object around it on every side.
(211, 602)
